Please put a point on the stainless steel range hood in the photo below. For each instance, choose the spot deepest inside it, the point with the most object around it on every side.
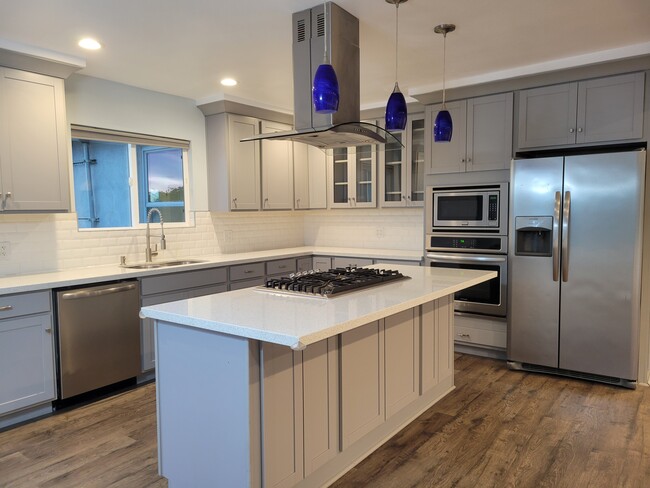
(340, 129)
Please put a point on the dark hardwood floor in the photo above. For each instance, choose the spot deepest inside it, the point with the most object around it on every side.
(499, 428)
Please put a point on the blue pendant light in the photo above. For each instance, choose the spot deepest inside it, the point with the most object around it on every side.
(443, 125)
(396, 112)
(325, 88)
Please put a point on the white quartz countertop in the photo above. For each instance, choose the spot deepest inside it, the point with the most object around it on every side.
(97, 274)
(298, 321)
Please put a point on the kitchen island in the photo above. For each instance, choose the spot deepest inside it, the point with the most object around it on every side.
(257, 388)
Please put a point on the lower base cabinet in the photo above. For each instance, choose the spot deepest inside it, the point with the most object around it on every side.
(295, 418)
(26, 351)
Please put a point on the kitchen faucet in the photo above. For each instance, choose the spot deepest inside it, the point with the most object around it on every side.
(148, 252)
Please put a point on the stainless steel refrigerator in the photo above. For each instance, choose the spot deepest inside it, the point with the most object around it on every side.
(575, 265)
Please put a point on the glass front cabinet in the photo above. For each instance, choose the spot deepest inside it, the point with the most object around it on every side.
(353, 176)
(402, 167)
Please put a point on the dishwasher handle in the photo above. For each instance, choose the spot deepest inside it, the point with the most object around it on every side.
(75, 295)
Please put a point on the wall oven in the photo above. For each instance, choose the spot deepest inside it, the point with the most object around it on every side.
(475, 208)
(488, 298)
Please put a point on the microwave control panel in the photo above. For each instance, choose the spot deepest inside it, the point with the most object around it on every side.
(482, 243)
(493, 207)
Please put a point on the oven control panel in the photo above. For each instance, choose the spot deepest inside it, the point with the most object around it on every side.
(493, 208)
(451, 243)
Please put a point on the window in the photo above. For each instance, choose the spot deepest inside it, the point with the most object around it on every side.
(119, 177)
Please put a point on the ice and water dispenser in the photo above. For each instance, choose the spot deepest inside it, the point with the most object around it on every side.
(534, 236)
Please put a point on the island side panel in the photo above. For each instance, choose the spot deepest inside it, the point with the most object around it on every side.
(208, 407)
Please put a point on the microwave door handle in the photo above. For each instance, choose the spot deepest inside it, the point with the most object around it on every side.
(462, 259)
(556, 235)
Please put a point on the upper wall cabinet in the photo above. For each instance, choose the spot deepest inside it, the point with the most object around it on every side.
(354, 175)
(233, 167)
(33, 143)
(309, 177)
(592, 111)
(401, 169)
(482, 136)
(277, 170)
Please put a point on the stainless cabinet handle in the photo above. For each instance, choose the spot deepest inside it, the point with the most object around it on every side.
(579, 129)
(556, 236)
(266, 201)
(298, 203)
(74, 295)
(565, 236)
(354, 201)
(48, 330)
(6, 308)
(234, 202)
(572, 130)
(284, 266)
(463, 335)
(248, 271)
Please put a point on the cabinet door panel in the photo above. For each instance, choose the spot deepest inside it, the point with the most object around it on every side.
(362, 381)
(415, 158)
(321, 411)
(344, 262)
(26, 362)
(33, 150)
(282, 421)
(244, 162)
(402, 360)
(449, 157)
(301, 176)
(436, 342)
(392, 180)
(277, 170)
(611, 108)
(547, 115)
(317, 177)
(489, 132)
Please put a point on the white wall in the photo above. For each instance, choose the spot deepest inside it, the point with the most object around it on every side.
(101, 103)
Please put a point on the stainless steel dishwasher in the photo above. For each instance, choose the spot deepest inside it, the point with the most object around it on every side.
(98, 333)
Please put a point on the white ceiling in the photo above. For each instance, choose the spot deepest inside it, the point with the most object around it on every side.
(184, 47)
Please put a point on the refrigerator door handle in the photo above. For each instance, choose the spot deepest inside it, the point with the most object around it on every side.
(556, 235)
(565, 236)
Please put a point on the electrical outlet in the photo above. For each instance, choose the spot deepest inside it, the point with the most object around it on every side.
(380, 232)
(5, 250)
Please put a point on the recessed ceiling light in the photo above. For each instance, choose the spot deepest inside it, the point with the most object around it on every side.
(228, 82)
(88, 43)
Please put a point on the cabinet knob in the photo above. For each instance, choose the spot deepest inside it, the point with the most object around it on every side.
(462, 160)
(6, 308)
(298, 203)
(354, 201)
(572, 130)
(579, 129)
(234, 202)
(469, 160)
(266, 201)
(48, 330)
(403, 197)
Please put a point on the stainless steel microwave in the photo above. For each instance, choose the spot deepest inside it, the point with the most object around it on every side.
(482, 208)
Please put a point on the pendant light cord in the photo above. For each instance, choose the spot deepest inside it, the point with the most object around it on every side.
(325, 60)
(444, 64)
(396, 37)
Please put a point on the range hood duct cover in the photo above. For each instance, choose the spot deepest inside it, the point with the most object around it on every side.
(342, 128)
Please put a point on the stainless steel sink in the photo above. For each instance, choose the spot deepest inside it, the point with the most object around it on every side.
(162, 264)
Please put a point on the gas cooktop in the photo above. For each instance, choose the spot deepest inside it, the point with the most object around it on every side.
(327, 284)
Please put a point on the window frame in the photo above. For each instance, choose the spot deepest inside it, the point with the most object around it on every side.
(132, 140)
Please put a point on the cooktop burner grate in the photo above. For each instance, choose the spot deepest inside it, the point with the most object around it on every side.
(330, 283)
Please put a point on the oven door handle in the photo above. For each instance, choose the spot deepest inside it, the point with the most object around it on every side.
(463, 259)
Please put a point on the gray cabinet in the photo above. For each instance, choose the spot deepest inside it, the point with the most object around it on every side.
(234, 177)
(437, 361)
(354, 176)
(322, 263)
(304, 264)
(277, 170)
(362, 381)
(33, 143)
(321, 403)
(402, 360)
(482, 137)
(282, 411)
(591, 111)
(246, 275)
(401, 168)
(169, 288)
(26, 351)
(281, 267)
(309, 177)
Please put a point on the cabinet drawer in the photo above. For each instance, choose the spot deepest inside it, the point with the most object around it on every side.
(322, 263)
(246, 271)
(24, 304)
(180, 281)
(397, 261)
(304, 264)
(238, 285)
(281, 266)
(339, 262)
(474, 333)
